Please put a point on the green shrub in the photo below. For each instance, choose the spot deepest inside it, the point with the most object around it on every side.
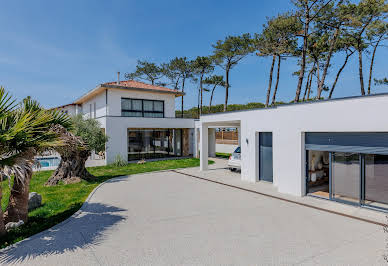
(119, 161)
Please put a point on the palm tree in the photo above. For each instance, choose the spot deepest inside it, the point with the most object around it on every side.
(6, 134)
(29, 129)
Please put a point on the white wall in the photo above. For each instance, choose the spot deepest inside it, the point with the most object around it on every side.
(116, 129)
(68, 109)
(115, 95)
(99, 101)
(289, 123)
(225, 148)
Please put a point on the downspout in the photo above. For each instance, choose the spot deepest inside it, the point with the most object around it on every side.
(106, 102)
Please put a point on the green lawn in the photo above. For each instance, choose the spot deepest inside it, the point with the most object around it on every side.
(223, 155)
(62, 201)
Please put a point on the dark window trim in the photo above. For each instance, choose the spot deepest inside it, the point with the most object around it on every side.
(142, 108)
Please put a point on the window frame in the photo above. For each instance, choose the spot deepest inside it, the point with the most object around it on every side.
(143, 112)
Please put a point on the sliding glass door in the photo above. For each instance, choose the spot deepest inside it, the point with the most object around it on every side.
(154, 143)
(358, 167)
(376, 180)
(346, 177)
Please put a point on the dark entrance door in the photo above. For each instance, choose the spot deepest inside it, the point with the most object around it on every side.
(265, 157)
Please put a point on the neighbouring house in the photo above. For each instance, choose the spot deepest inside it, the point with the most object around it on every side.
(139, 120)
(334, 149)
(70, 109)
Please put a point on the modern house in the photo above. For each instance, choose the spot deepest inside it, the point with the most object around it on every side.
(70, 109)
(139, 120)
(333, 149)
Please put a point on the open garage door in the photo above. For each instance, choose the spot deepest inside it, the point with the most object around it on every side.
(348, 167)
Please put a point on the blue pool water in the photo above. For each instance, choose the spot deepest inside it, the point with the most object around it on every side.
(48, 161)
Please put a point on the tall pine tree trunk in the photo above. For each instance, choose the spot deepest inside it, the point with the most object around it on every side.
(304, 51)
(17, 208)
(199, 93)
(327, 63)
(200, 85)
(308, 82)
(183, 91)
(277, 82)
(211, 98)
(309, 90)
(318, 76)
(226, 88)
(338, 74)
(270, 80)
(360, 72)
(371, 63)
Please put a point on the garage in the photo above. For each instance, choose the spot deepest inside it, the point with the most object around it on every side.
(348, 167)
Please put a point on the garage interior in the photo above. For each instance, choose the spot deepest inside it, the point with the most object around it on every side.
(348, 167)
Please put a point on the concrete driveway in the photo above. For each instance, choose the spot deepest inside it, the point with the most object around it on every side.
(167, 218)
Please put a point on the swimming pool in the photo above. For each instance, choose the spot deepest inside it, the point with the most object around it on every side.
(48, 161)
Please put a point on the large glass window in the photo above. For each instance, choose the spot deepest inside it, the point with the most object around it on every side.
(346, 176)
(142, 108)
(376, 179)
(162, 147)
(154, 143)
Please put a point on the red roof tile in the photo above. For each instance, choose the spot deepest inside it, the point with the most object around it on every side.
(141, 85)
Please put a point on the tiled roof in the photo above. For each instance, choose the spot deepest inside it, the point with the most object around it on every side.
(127, 84)
(140, 85)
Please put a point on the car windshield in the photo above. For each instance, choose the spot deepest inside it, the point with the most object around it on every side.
(238, 150)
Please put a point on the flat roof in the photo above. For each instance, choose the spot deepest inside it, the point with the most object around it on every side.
(301, 103)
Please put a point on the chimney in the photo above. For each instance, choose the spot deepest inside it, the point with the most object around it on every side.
(118, 78)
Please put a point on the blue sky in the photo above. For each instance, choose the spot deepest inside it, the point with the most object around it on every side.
(56, 51)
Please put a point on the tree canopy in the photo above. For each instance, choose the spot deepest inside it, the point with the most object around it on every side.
(90, 132)
(228, 52)
(146, 71)
(313, 32)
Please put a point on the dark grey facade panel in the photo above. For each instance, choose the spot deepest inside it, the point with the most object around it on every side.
(265, 156)
(353, 149)
(376, 142)
(368, 139)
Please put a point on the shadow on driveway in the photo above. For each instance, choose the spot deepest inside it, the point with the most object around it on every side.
(85, 229)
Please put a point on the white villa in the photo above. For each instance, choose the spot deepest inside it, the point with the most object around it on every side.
(333, 149)
(139, 120)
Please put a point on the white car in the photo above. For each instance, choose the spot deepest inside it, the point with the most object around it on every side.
(234, 162)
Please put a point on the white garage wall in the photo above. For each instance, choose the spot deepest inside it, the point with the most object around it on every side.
(288, 124)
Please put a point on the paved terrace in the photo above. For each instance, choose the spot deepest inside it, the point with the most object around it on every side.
(169, 218)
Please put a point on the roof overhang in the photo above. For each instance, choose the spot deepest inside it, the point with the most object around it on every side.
(101, 88)
(62, 106)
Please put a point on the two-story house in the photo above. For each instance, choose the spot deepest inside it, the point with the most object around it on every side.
(139, 120)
